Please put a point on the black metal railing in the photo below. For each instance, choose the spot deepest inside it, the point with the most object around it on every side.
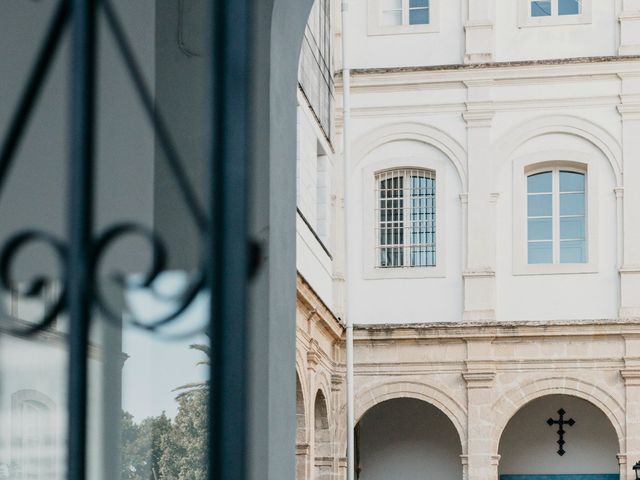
(225, 262)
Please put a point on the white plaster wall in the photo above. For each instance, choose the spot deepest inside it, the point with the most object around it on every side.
(597, 38)
(307, 168)
(533, 111)
(564, 296)
(314, 180)
(408, 439)
(528, 444)
(401, 299)
(368, 51)
(510, 41)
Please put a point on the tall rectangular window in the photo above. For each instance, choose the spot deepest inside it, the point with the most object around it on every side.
(556, 217)
(406, 218)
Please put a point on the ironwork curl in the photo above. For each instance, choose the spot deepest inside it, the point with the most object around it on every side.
(146, 279)
(34, 287)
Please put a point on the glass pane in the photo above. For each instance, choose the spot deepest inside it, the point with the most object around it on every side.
(572, 228)
(392, 18)
(539, 183)
(541, 8)
(539, 206)
(391, 5)
(571, 182)
(572, 204)
(418, 3)
(540, 229)
(573, 251)
(419, 16)
(569, 7)
(540, 252)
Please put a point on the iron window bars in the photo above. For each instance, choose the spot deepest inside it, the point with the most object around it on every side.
(405, 218)
(225, 263)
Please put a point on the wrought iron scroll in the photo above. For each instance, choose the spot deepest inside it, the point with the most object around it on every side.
(99, 244)
(223, 266)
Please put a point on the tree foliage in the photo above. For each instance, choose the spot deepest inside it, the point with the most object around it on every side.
(159, 448)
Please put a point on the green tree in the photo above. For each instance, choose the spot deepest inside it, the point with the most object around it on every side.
(142, 446)
(184, 448)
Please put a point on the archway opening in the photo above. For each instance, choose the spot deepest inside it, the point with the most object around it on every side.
(322, 439)
(405, 439)
(561, 436)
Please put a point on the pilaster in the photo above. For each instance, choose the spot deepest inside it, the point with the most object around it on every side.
(479, 31)
(479, 375)
(629, 110)
(631, 375)
(479, 272)
(622, 464)
(629, 28)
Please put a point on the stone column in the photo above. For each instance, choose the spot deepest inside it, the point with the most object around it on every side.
(302, 461)
(479, 376)
(629, 109)
(631, 375)
(313, 358)
(339, 425)
(630, 28)
(622, 463)
(479, 31)
(479, 271)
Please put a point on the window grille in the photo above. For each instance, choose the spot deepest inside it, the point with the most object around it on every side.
(556, 217)
(406, 218)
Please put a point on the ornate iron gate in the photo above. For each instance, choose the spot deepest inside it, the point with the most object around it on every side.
(225, 262)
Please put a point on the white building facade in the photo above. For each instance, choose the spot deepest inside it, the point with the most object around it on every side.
(494, 239)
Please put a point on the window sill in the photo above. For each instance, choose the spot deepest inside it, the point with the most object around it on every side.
(374, 30)
(378, 273)
(559, 20)
(555, 269)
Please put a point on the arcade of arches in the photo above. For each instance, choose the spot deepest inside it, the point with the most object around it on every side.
(472, 402)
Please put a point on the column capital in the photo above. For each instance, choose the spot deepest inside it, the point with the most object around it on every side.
(631, 376)
(479, 379)
(478, 118)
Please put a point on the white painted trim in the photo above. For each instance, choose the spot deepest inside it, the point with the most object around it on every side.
(418, 132)
(371, 272)
(553, 159)
(602, 139)
(526, 20)
(375, 27)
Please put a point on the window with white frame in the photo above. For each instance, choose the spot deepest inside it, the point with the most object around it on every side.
(556, 216)
(554, 12)
(404, 12)
(406, 218)
(549, 8)
(397, 17)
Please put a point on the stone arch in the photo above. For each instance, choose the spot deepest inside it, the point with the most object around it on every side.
(572, 125)
(418, 132)
(367, 397)
(515, 399)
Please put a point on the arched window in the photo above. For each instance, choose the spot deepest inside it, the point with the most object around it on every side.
(406, 218)
(33, 436)
(556, 216)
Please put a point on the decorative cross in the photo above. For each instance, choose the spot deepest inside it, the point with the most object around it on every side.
(561, 422)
